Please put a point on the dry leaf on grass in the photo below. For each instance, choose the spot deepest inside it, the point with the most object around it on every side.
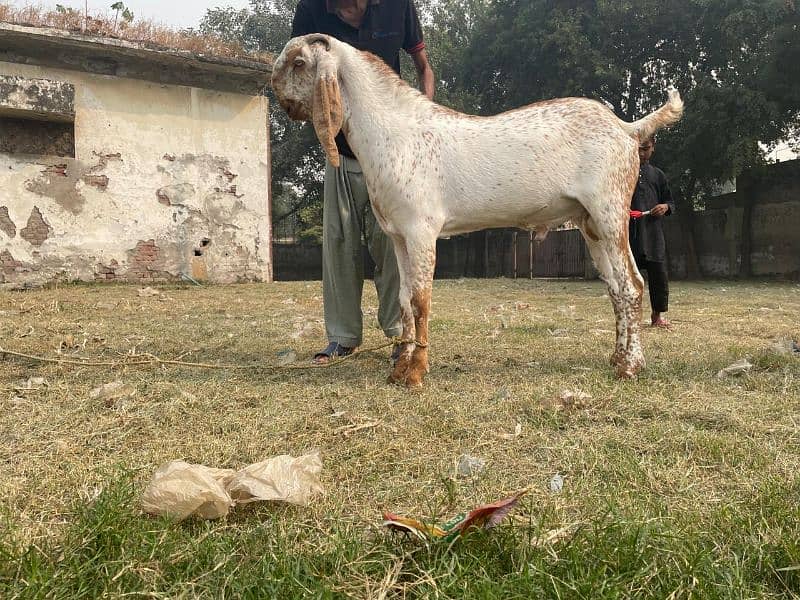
(286, 357)
(568, 400)
(512, 436)
(469, 466)
(32, 383)
(740, 367)
(348, 430)
(148, 292)
(112, 392)
(557, 332)
(553, 536)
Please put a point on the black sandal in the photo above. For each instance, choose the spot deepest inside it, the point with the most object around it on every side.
(332, 352)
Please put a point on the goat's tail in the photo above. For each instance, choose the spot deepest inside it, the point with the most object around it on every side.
(668, 114)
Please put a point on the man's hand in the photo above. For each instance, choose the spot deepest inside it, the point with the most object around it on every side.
(659, 210)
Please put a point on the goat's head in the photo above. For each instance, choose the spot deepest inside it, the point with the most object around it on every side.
(305, 81)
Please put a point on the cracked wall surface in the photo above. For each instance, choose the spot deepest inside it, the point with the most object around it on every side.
(167, 182)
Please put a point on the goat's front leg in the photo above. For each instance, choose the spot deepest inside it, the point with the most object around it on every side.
(416, 259)
(400, 369)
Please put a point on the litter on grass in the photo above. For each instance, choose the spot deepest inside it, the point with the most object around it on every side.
(180, 490)
(738, 368)
(482, 517)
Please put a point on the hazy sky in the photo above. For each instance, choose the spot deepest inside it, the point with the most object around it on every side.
(175, 13)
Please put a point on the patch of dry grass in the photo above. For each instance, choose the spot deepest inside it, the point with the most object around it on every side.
(676, 446)
(142, 31)
(677, 439)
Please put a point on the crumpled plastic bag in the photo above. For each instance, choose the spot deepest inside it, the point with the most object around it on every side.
(180, 490)
(282, 478)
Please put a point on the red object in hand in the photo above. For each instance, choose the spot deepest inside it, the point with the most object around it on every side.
(638, 214)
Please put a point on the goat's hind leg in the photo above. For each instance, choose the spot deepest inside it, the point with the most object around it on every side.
(614, 261)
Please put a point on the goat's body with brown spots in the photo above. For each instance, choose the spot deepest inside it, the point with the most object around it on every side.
(433, 172)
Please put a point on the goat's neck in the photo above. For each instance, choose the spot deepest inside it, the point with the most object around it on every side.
(377, 109)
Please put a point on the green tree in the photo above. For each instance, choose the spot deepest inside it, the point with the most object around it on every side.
(729, 59)
(297, 160)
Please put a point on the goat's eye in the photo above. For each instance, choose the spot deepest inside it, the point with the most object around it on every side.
(299, 62)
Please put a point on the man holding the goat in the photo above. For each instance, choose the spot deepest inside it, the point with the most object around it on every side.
(383, 28)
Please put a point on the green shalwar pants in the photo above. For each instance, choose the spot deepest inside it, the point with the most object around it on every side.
(348, 222)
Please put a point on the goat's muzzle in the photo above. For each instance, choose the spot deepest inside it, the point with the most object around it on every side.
(295, 110)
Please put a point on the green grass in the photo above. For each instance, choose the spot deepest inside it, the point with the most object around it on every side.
(677, 484)
(749, 548)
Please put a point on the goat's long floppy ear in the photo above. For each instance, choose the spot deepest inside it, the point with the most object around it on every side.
(327, 114)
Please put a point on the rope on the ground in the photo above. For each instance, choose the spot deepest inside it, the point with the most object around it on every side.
(147, 359)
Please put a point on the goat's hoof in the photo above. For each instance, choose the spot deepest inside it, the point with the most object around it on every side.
(617, 359)
(393, 378)
(398, 376)
(627, 370)
(414, 383)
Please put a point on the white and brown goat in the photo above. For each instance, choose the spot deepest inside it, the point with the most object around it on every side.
(434, 172)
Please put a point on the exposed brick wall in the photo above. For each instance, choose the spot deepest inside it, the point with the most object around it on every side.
(9, 266)
(98, 181)
(145, 263)
(106, 272)
(36, 231)
(6, 224)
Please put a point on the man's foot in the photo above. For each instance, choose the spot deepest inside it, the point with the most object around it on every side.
(659, 321)
(333, 351)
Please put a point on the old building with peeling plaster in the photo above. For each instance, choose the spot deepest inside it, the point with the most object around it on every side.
(121, 162)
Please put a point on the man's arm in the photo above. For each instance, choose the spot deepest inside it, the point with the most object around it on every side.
(424, 73)
(666, 205)
(414, 44)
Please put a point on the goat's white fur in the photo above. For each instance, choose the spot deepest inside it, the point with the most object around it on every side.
(433, 172)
